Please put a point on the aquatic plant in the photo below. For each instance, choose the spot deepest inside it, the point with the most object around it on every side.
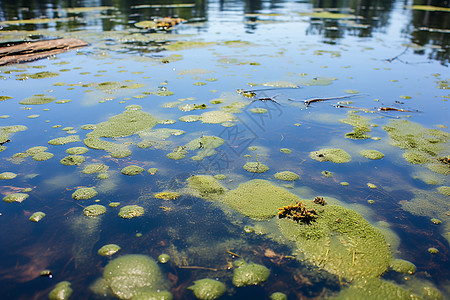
(37, 100)
(371, 154)
(297, 213)
(286, 176)
(256, 167)
(320, 201)
(337, 156)
(208, 289)
(250, 274)
(164, 258)
(131, 211)
(402, 266)
(37, 216)
(206, 186)
(94, 210)
(360, 125)
(132, 170)
(62, 291)
(278, 296)
(108, 250)
(167, 195)
(216, 117)
(65, 140)
(15, 197)
(84, 193)
(7, 175)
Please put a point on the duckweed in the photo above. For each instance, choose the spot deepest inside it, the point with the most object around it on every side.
(62, 291)
(132, 170)
(189, 118)
(286, 176)
(7, 175)
(337, 156)
(108, 250)
(94, 210)
(433, 250)
(207, 289)
(37, 216)
(84, 193)
(327, 174)
(15, 197)
(255, 167)
(131, 211)
(250, 274)
(5, 132)
(371, 154)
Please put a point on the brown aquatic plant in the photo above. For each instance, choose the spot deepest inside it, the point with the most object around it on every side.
(320, 201)
(298, 213)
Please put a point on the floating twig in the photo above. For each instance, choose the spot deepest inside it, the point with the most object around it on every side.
(397, 57)
(233, 254)
(395, 109)
(309, 101)
(266, 99)
(198, 268)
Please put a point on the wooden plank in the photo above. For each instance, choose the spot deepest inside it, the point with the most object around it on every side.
(30, 51)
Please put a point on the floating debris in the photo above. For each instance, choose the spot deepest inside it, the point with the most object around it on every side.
(37, 216)
(297, 213)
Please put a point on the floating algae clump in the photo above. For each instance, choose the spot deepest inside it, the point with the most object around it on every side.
(94, 210)
(278, 296)
(129, 122)
(422, 145)
(65, 140)
(72, 160)
(37, 100)
(46, 74)
(360, 125)
(286, 176)
(35, 150)
(108, 250)
(132, 170)
(258, 199)
(206, 186)
(62, 291)
(250, 274)
(164, 258)
(207, 289)
(177, 153)
(7, 175)
(256, 167)
(340, 241)
(167, 195)
(444, 190)
(77, 150)
(216, 117)
(371, 154)
(205, 145)
(41, 156)
(131, 211)
(15, 197)
(37, 216)
(84, 194)
(130, 275)
(95, 168)
(6, 131)
(337, 156)
(402, 266)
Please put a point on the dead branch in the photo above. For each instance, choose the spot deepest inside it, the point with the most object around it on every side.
(397, 57)
(198, 267)
(395, 109)
(308, 102)
(30, 51)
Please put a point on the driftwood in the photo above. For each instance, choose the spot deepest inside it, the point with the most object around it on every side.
(30, 51)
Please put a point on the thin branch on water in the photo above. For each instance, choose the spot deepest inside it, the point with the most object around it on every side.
(397, 57)
(308, 102)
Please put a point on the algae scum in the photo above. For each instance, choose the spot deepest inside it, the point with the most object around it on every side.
(236, 150)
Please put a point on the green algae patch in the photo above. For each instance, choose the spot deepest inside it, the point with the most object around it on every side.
(84, 193)
(285, 150)
(217, 117)
(286, 176)
(258, 199)
(37, 100)
(220, 177)
(208, 289)
(77, 150)
(129, 122)
(402, 266)
(62, 291)
(205, 145)
(72, 160)
(152, 171)
(95, 168)
(177, 154)
(164, 258)
(327, 174)
(206, 186)
(42, 75)
(371, 154)
(120, 153)
(444, 190)
(128, 276)
(278, 296)
(94, 210)
(131, 211)
(182, 45)
(3, 98)
(280, 84)
(422, 145)
(5, 133)
(108, 250)
(256, 167)
(318, 81)
(339, 241)
(360, 125)
(65, 140)
(132, 170)
(42, 156)
(15, 197)
(7, 175)
(328, 15)
(250, 274)
(189, 118)
(337, 156)
(37, 216)
(35, 150)
(258, 110)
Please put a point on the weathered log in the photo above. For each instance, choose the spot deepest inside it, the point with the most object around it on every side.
(30, 51)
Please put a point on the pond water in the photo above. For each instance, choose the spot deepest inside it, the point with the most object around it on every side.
(227, 88)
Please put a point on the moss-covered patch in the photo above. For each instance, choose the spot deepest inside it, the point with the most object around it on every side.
(256, 167)
(7, 131)
(15, 197)
(360, 125)
(45, 74)
(65, 140)
(337, 156)
(73, 160)
(132, 170)
(422, 145)
(37, 216)
(285, 150)
(164, 258)
(206, 186)
(84, 193)
(189, 118)
(205, 146)
(286, 176)
(108, 250)
(208, 289)
(3, 98)
(95, 168)
(340, 241)
(167, 195)
(37, 100)
(94, 210)
(216, 117)
(7, 175)
(444, 190)
(371, 154)
(131, 211)
(250, 274)
(62, 291)
(77, 150)
(402, 266)
(258, 199)
(41, 156)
